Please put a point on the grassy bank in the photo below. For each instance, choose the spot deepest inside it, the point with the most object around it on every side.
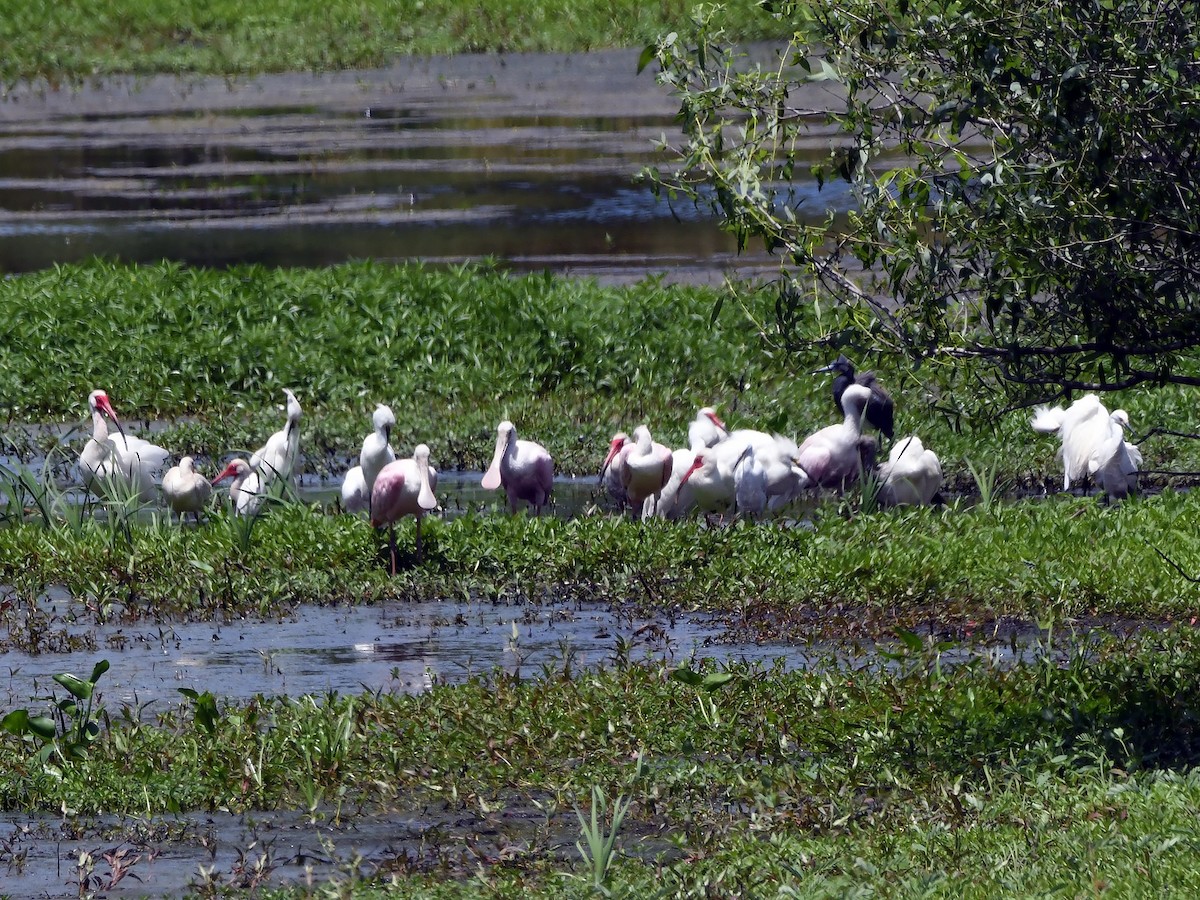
(80, 39)
(888, 778)
(453, 352)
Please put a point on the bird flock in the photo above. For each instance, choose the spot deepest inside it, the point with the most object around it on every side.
(741, 472)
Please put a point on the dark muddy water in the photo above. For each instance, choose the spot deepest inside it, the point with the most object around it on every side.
(526, 158)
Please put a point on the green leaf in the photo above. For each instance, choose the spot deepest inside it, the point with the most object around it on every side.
(910, 640)
(99, 669)
(77, 687)
(687, 676)
(16, 722)
(717, 680)
(43, 727)
(648, 53)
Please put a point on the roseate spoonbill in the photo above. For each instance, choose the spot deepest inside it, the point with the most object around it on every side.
(404, 487)
(277, 457)
(612, 473)
(1093, 443)
(375, 454)
(881, 411)
(122, 463)
(246, 492)
(647, 465)
(523, 468)
(185, 489)
(832, 457)
(911, 476)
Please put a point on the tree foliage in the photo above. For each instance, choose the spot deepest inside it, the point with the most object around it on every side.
(1024, 179)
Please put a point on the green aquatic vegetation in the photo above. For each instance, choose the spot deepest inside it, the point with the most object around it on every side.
(958, 566)
(81, 39)
(67, 735)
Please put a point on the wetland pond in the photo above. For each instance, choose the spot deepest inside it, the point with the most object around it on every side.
(529, 159)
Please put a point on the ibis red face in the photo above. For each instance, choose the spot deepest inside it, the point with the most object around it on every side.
(716, 420)
(230, 471)
(613, 449)
(697, 463)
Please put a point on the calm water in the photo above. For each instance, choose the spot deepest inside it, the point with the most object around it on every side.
(529, 158)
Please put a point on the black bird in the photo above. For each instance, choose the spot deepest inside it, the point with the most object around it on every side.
(881, 412)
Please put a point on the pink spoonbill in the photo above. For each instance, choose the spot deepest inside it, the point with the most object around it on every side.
(122, 463)
(523, 468)
(404, 487)
(185, 489)
(375, 454)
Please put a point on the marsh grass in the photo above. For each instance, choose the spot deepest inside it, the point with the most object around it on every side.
(82, 39)
(861, 575)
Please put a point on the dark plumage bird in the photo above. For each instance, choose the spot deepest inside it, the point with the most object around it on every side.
(881, 412)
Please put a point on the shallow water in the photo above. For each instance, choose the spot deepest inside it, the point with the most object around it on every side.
(527, 158)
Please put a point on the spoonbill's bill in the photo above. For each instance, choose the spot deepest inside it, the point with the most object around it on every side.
(185, 489)
(612, 473)
(911, 476)
(375, 454)
(404, 487)
(1093, 444)
(246, 491)
(647, 465)
(832, 457)
(277, 457)
(122, 463)
(523, 468)
(881, 411)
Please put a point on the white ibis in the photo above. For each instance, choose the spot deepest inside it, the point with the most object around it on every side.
(246, 492)
(404, 487)
(185, 489)
(118, 465)
(277, 457)
(523, 468)
(911, 476)
(706, 430)
(881, 411)
(612, 473)
(832, 457)
(647, 465)
(375, 454)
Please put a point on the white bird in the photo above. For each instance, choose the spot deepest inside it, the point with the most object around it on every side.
(524, 468)
(1093, 443)
(911, 476)
(123, 464)
(832, 457)
(277, 457)
(404, 487)
(1117, 465)
(185, 489)
(751, 472)
(706, 430)
(647, 466)
(375, 454)
(246, 492)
